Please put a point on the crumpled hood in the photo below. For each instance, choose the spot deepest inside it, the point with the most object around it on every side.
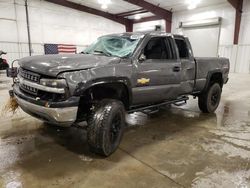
(52, 65)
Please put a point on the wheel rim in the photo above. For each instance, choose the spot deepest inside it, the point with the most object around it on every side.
(115, 128)
(215, 97)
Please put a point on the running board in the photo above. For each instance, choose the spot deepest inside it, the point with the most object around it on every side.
(181, 103)
(143, 108)
(151, 111)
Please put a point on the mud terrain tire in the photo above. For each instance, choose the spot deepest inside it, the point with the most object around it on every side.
(105, 126)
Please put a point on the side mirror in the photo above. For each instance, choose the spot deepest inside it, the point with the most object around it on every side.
(12, 72)
(142, 58)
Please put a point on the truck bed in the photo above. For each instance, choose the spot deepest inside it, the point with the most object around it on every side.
(207, 65)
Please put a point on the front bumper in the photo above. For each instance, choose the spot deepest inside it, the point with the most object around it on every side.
(59, 113)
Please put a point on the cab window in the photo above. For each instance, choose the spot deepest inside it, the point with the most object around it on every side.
(158, 48)
(182, 48)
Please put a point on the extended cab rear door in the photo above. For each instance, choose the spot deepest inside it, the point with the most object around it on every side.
(158, 71)
(188, 67)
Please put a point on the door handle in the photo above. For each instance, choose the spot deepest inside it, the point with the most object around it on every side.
(176, 69)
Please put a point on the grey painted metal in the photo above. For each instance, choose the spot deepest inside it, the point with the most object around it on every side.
(82, 71)
(63, 116)
(52, 65)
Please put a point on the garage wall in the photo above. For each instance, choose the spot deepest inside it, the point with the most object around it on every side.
(55, 24)
(243, 50)
(225, 11)
(149, 26)
(240, 54)
(208, 34)
(49, 23)
(236, 53)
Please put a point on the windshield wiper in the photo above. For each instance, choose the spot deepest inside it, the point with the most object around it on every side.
(102, 52)
(84, 52)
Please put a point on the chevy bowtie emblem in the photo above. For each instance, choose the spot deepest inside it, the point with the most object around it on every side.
(143, 80)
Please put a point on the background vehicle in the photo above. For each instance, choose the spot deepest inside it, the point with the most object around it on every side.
(124, 72)
(3, 62)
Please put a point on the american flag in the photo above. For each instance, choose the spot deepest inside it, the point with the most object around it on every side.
(59, 49)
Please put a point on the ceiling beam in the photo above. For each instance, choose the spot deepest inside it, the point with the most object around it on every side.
(147, 19)
(163, 13)
(238, 5)
(132, 12)
(234, 3)
(129, 26)
(90, 10)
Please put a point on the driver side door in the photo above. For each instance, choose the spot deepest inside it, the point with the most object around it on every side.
(158, 72)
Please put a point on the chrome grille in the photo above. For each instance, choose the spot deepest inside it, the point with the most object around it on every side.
(31, 76)
(28, 75)
(29, 89)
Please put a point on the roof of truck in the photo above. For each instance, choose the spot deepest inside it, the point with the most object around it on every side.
(142, 34)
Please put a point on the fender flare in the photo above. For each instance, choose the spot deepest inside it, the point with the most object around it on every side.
(82, 87)
(209, 75)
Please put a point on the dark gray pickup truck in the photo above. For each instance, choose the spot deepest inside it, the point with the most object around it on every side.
(119, 73)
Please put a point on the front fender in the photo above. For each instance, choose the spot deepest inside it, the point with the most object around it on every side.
(83, 86)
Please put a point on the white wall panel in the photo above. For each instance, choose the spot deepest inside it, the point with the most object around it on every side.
(225, 11)
(149, 26)
(243, 59)
(245, 24)
(204, 40)
(12, 49)
(8, 30)
(49, 23)
(239, 55)
(230, 52)
(7, 9)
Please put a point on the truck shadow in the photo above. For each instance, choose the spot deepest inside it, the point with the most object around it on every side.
(56, 149)
(73, 139)
(141, 127)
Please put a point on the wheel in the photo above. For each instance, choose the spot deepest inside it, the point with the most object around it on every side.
(209, 101)
(105, 127)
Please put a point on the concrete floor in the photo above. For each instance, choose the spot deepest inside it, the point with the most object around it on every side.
(178, 147)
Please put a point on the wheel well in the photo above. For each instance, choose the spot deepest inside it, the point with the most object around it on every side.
(216, 78)
(118, 91)
(112, 91)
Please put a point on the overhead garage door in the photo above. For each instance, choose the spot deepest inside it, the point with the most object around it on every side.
(204, 38)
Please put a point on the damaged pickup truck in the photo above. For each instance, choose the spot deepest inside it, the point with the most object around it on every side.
(119, 73)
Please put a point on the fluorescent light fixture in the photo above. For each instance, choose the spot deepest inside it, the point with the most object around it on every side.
(201, 23)
(137, 17)
(104, 3)
(192, 4)
(104, 6)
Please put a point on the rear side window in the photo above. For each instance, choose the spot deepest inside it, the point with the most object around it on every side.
(182, 48)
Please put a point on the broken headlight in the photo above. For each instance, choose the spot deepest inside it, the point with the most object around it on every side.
(56, 83)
